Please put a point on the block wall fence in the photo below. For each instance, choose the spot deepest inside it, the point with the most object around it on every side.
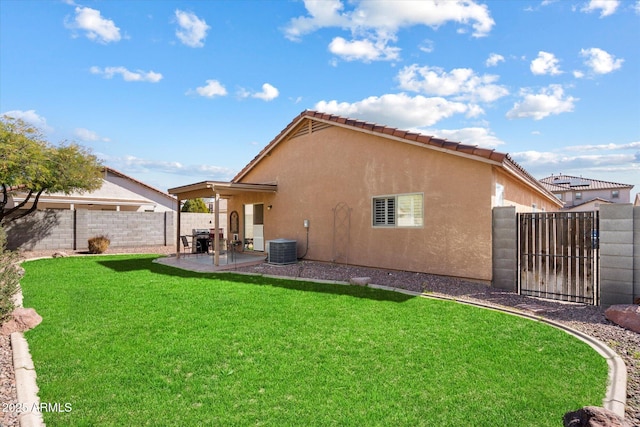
(619, 252)
(70, 230)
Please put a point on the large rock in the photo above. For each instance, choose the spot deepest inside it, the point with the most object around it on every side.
(360, 281)
(21, 319)
(593, 416)
(625, 315)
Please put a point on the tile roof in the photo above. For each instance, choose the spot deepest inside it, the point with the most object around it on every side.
(107, 169)
(386, 131)
(484, 154)
(559, 183)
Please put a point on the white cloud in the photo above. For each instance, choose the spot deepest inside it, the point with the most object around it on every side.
(494, 59)
(322, 14)
(211, 89)
(598, 147)
(30, 116)
(134, 164)
(550, 100)
(97, 28)
(617, 162)
(399, 110)
(558, 161)
(479, 136)
(128, 76)
(268, 93)
(463, 83)
(606, 7)
(578, 74)
(88, 135)
(363, 50)
(545, 63)
(193, 30)
(374, 25)
(428, 46)
(600, 61)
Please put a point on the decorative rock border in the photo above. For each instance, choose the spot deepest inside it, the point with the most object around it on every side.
(25, 374)
(26, 387)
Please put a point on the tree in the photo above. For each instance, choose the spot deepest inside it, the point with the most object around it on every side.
(195, 205)
(30, 164)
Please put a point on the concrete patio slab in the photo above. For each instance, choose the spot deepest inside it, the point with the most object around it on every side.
(203, 263)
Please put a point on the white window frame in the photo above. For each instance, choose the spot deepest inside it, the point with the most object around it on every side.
(396, 218)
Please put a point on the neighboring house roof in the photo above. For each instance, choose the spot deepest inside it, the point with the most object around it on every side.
(598, 200)
(109, 194)
(320, 120)
(164, 194)
(559, 183)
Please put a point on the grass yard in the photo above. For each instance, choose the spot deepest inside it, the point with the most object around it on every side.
(127, 342)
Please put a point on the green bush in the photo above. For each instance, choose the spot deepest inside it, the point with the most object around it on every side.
(98, 244)
(10, 273)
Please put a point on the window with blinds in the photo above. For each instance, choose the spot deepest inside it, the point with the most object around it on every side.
(402, 210)
(384, 211)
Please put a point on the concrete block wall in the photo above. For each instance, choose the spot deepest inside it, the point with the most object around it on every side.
(123, 228)
(190, 220)
(505, 248)
(71, 230)
(42, 230)
(618, 254)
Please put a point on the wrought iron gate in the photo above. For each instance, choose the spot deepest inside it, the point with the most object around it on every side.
(558, 256)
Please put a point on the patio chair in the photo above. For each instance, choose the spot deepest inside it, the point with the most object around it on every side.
(185, 245)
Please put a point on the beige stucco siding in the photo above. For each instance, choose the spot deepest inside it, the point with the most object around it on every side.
(520, 195)
(316, 172)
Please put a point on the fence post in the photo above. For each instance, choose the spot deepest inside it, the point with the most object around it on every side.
(81, 233)
(504, 248)
(616, 254)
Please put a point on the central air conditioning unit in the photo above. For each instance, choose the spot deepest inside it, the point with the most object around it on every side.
(282, 251)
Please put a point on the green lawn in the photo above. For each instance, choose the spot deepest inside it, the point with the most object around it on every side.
(128, 342)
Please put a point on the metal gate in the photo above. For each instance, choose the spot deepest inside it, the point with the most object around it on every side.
(558, 256)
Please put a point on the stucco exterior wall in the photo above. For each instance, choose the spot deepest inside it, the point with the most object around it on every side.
(162, 203)
(519, 195)
(569, 197)
(316, 172)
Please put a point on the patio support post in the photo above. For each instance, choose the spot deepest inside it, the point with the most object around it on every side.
(178, 241)
(216, 236)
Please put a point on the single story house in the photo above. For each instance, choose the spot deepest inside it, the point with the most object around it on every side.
(118, 192)
(584, 194)
(349, 191)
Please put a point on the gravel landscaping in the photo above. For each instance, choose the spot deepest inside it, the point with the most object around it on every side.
(584, 318)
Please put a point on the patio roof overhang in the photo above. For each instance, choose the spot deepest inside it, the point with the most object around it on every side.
(216, 190)
(222, 189)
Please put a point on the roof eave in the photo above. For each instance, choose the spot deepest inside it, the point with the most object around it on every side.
(523, 176)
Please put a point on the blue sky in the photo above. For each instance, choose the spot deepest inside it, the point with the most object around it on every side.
(176, 92)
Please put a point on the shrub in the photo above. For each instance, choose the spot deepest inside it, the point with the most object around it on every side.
(9, 277)
(98, 244)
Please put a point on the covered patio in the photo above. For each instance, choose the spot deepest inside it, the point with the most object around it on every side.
(216, 190)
